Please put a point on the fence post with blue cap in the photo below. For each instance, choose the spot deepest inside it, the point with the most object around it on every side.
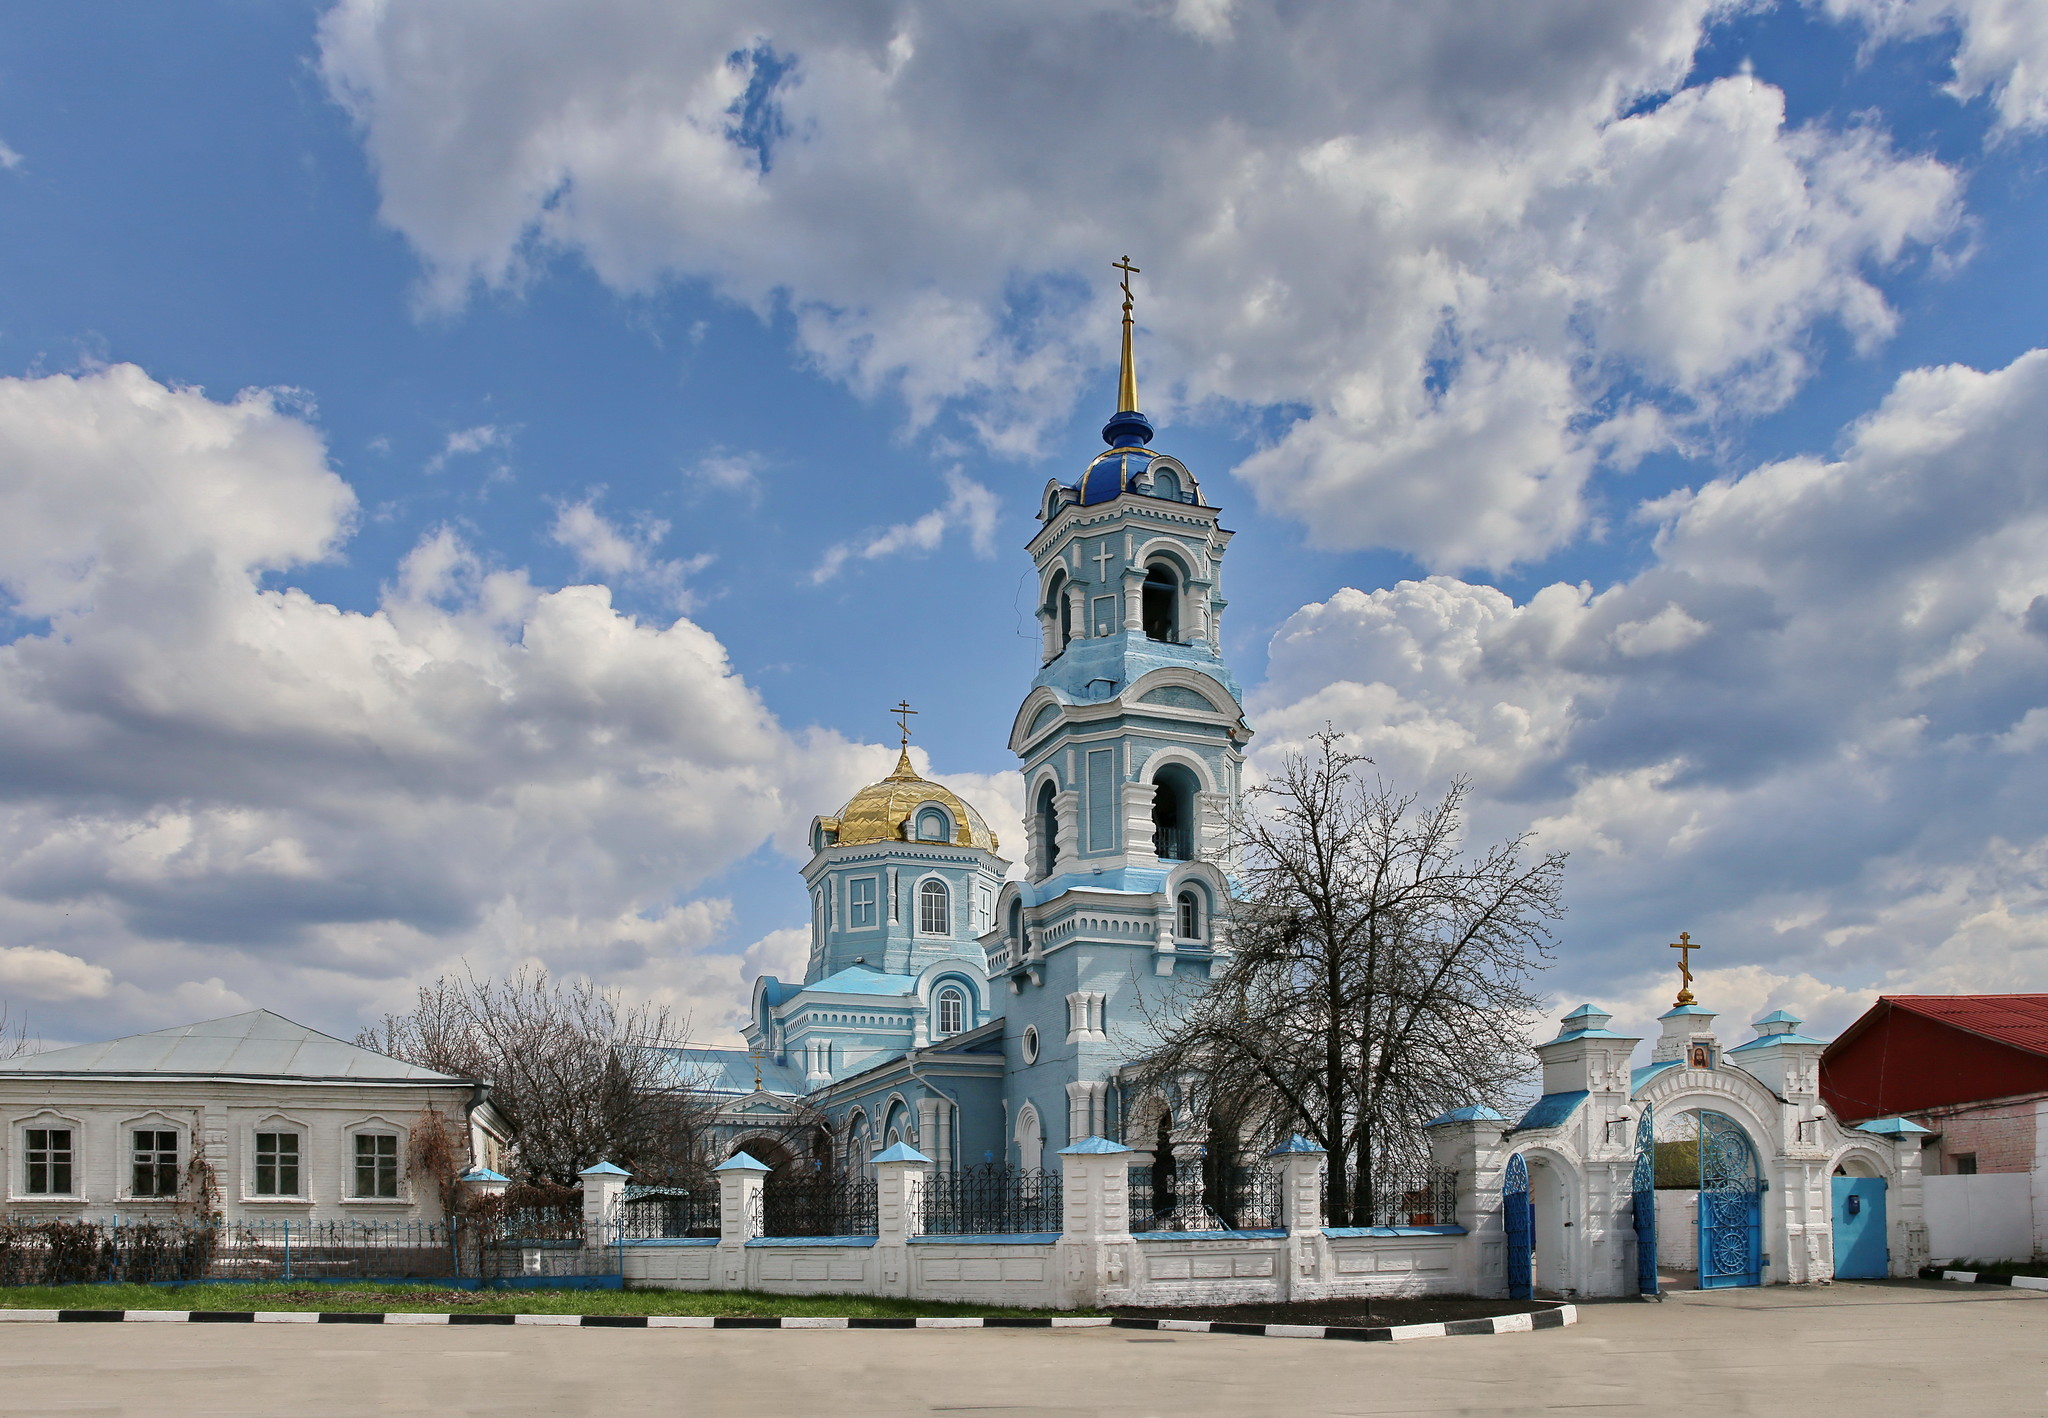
(1467, 1141)
(1299, 1163)
(1097, 1256)
(900, 1174)
(740, 1179)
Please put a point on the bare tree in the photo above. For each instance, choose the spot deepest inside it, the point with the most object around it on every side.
(1379, 972)
(573, 1067)
(15, 1040)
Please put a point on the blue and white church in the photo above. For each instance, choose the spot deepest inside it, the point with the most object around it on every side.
(980, 1018)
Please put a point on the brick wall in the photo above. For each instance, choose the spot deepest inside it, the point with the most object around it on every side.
(2000, 1134)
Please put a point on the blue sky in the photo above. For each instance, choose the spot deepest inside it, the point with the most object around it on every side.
(776, 320)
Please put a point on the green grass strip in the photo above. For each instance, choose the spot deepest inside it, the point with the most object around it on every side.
(419, 1299)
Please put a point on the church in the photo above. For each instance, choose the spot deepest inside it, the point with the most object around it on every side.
(980, 1019)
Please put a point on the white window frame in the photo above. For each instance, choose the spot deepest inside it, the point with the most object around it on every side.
(152, 1122)
(957, 997)
(1028, 1045)
(945, 894)
(278, 1127)
(376, 1129)
(945, 820)
(854, 904)
(1182, 899)
(17, 1181)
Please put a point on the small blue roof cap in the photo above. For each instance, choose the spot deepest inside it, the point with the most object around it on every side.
(1551, 1110)
(1585, 1009)
(1296, 1146)
(604, 1169)
(901, 1152)
(1779, 1016)
(1470, 1113)
(1093, 1147)
(1676, 1011)
(741, 1162)
(483, 1174)
(1891, 1127)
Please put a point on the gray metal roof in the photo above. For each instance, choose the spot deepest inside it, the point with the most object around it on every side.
(258, 1044)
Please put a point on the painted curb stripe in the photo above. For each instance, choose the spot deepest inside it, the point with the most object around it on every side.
(2018, 1282)
(1498, 1324)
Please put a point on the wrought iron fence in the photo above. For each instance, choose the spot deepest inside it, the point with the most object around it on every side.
(818, 1204)
(667, 1213)
(991, 1199)
(1250, 1200)
(1428, 1198)
(34, 1251)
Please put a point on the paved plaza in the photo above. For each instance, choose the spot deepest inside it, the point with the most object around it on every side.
(1880, 1348)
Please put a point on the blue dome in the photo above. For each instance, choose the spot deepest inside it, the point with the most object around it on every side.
(1111, 473)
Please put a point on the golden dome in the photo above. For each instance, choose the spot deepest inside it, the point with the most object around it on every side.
(881, 812)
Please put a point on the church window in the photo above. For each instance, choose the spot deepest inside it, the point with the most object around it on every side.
(860, 903)
(1173, 813)
(934, 909)
(277, 1164)
(1016, 923)
(1048, 829)
(49, 1161)
(1030, 1043)
(1166, 485)
(952, 1013)
(1189, 926)
(932, 826)
(1161, 603)
(156, 1162)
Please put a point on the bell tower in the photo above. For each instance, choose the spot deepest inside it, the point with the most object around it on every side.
(1131, 742)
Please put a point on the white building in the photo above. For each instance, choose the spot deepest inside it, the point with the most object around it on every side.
(278, 1121)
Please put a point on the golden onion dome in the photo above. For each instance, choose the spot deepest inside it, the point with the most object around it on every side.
(882, 812)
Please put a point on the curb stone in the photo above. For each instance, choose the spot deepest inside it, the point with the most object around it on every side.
(2018, 1282)
(1496, 1324)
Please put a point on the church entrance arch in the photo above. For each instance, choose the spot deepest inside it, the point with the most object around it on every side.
(1519, 1220)
(1731, 1204)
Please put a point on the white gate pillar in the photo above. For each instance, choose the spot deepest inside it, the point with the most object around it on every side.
(1468, 1141)
(1097, 1257)
(900, 1175)
(740, 1180)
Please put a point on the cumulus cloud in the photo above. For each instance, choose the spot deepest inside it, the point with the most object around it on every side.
(969, 508)
(625, 552)
(206, 777)
(729, 472)
(10, 160)
(1476, 254)
(465, 441)
(1809, 731)
(2001, 48)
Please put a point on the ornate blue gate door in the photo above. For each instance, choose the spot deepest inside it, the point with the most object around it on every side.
(1520, 1218)
(1644, 1187)
(1731, 1205)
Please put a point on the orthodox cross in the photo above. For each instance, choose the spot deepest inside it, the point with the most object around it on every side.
(757, 1070)
(1105, 556)
(903, 711)
(1685, 947)
(1129, 271)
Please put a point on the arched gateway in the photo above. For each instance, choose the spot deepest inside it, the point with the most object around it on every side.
(1715, 1169)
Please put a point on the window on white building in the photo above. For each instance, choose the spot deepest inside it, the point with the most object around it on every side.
(156, 1163)
(860, 903)
(952, 1011)
(277, 1164)
(934, 909)
(1190, 925)
(376, 1164)
(49, 1161)
(932, 826)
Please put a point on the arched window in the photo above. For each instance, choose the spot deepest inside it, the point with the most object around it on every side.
(1190, 913)
(934, 909)
(1166, 485)
(1058, 604)
(932, 826)
(1016, 922)
(951, 1008)
(1173, 813)
(1030, 1140)
(1048, 829)
(1162, 602)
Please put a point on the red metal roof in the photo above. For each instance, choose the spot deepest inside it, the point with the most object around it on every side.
(2020, 1021)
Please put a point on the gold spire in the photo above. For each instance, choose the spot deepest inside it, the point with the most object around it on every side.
(1127, 377)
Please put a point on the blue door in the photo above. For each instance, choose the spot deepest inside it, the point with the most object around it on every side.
(1519, 1217)
(1860, 1249)
(1731, 1205)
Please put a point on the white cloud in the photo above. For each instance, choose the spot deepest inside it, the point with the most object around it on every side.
(10, 160)
(1469, 242)
(465, 441)
(1808, 732)
(2001, 48)
(50, 974)
(969, 507)
(729, 472)
(625, 553)
(202, 779)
